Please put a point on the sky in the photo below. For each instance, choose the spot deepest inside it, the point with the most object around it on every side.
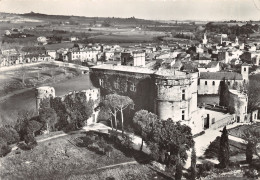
(146, 9)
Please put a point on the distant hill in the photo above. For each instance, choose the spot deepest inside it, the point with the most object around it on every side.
(112, 20)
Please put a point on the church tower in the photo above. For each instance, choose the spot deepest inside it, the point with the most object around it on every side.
(204, 40)
(236, 41)
(245, 72)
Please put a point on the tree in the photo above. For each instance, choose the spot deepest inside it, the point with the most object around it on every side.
(4, 148)
(178, 173)
(169, 141)
(22, 122)
(110, 102)
(253, 94)
(77, 109)
(105, 114)
(33, 126)
(119, 103)
(48, 116)
(249, 152)
(193, 164)
(143, 121)
(252, 136)
(30, 140)
(224, 154)
(108, 149)
(9, 135)
(223, 93)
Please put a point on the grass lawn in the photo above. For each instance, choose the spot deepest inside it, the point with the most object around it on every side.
(137, 172)
(236, 149)
(56, 159)
(239, 130)
(60, 158)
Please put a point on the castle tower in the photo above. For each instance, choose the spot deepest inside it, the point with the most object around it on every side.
(245, 72)
(176, 95)
(42, 93)
(221, 40)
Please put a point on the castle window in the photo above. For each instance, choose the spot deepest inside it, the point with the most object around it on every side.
(182, 115)
(244, 69)
(213, 83)
(198, 81)
(133, 87)
(183, 94)
(206, 83)
(116, 84)
(228, 83)
(101, 82)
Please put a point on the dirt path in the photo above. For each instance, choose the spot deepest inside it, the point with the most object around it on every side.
(116, 165)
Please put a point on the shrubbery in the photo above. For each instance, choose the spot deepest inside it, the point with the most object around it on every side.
(251, 173)
(203, 169)
(9, 134)
(4, 148)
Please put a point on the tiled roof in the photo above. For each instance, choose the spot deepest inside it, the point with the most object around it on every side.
(245, 64)
(212, 64)
(221, 75)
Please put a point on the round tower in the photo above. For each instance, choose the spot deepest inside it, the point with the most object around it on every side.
(176, 95)
(42, 93)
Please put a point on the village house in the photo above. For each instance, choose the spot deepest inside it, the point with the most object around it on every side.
(83, 55)
(237, 104)
(213, 66)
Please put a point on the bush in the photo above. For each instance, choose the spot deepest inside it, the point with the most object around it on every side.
(9, 134)
(251, 173)
(199, 134)
(4, 148)
(30, 139)
(204, 168)
(127, 142)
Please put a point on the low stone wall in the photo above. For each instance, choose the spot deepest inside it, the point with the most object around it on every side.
(223, 122)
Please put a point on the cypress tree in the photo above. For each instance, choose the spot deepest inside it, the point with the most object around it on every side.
(178, 173)
(223, 93)
(223, 155)
(249, 152)
(193, 164)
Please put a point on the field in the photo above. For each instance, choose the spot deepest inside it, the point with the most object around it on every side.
(127, 36)
(61, 159)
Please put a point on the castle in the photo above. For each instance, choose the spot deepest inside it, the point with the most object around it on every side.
(167, 93)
